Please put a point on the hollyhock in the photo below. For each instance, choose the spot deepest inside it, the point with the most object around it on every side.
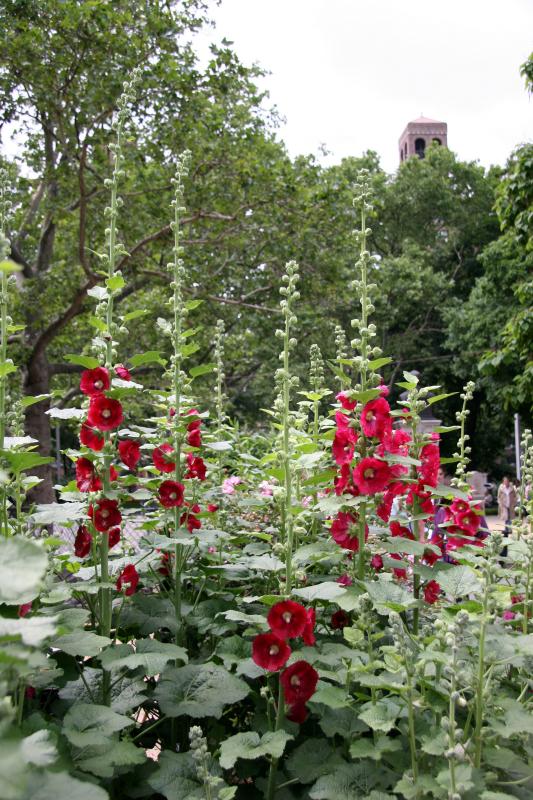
(459, 506)
(431, 592)
(343, 446)
(270, 652)
(122, 372)
(400, 530)
(161, 460)
(266, 489)
(376, 421)
(189, 518)
(86, 478)
(342, 420)
(171, 494)
(94, 381)
(371, 475)
(343, 482)
(287, 619)
(297, 713)
(164, 569)
(430, 557)
(308, 634)
(339, 620)
(397, 442)
(24, 609)
(129, 452)
(211, 507)
(345, 401)
(426, 503)
(299, 682)
(469, 521)
(345, 580)
(400, 573)
(384, 390)
(376, 562)
(91, 438)
(429, 469)
(113, 537)
(194, 437)
(345, 530)
(508, 615)
(196, 467)
(104, 413)
(229, 484)
(128, 579)
(82, 542)
(106, 515)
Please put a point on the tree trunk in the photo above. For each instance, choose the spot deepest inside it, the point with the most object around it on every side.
(37, 425)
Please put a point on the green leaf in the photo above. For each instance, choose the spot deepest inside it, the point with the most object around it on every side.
(459, 582)
(150, 357)
(103, 760)
(28, 400)
(98, 292)
(410, 378)
(199, 690)
(22, 461)
(349, 782)
(331, 696)
(87, 724)
(81, 643)
(219, 447)
(201, 369)
(58, 785)
(377, 363)
(139, 312)
(6, 368)
(32, 631)
(328, 590)
(516, 719)
(315, 757)
(38, 749)
(115, 283)
(437, 397)
(149, 654)
(66, 413)
(387, 595)
(374, 748)
(250, 746)
(59, 513)
(176, 777)
(380, 716)
(9, 266)
(190, 305)
(23, 565)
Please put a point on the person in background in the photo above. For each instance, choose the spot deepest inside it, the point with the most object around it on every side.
(506, 503)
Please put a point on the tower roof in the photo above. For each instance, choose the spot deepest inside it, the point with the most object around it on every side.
(423, 119)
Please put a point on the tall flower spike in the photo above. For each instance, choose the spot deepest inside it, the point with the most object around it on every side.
(316, 372)
(341, 355)
(463, 453)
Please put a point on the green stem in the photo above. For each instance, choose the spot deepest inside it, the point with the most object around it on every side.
(271, 787)
(411, 723)
(289, 522)
(480, 686)
(361, 537)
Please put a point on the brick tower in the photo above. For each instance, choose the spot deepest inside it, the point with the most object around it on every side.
(420, 133)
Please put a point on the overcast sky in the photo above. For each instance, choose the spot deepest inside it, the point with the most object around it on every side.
(351, 73)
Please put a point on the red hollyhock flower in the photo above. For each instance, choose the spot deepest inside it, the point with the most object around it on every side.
(343, 482)
(128, 580)
(426, 503)
(166, 559)
(161, 460)
(339, 620)
(270, 652)
(385, 507)
(308, 634)
(469, 521)
(188, 518)
(430, 557)
(94, 381)
(91, 438)
(299, 682)
(171, 494)
(287, 619)
(431, 592)
(345, 580)
(345, 530)
(86, 478)
(385, 391)
(211, 507)
(342, 420)
(401, 530)
(376, 420)
(297, 713)
(376, 562)
(459, 506)
(401, 574)
(196, 467)
(430, 458)
(343, 446)
(345, 401)
(113, 537)
(82, 542)
(25, 609)
(371, 475)
(194, 437)
(104, 413)
(122, 372)
(106, 515)
(129, 452)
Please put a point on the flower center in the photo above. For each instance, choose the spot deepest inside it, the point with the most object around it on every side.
(105, 513)
(295, 680)
(274, 650)
(173, 495)
(98, 384)
(287, 616)
(369, 473)
(370, 416)
(106, 413)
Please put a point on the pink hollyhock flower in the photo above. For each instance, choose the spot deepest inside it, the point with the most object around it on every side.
(287, 619)
(128, 580)
(94, 381)
(345, 530)
(342, 420)
(376, 421)
(229, 484)
(371, 475)
(343, 446)
(266, 489)
(299, 682)
(270, 652)
(160, 457)
(345, 401)
(508, 615)
(104, 413)
(384, 390)
(431, 592)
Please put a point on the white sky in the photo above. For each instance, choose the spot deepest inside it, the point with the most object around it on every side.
(351, 73)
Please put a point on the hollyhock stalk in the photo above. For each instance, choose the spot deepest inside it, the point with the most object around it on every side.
(4, 300)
